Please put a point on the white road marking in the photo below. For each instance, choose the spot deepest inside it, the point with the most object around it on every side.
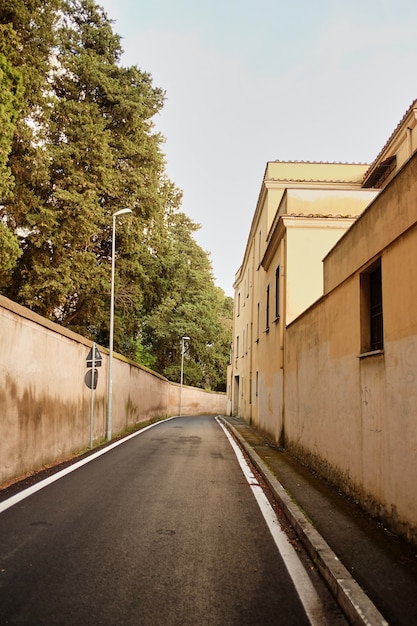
(305, 589)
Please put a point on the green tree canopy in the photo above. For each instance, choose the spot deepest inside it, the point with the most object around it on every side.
(82, 145)
(189, 304)
(26, 42)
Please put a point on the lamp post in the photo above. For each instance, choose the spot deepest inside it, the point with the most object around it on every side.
(110, 369)
(183, 339)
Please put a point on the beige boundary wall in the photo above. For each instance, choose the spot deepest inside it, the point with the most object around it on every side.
(45, 403)
(351, 415)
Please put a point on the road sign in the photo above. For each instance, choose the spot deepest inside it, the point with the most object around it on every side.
(90, 380)
(97, 358)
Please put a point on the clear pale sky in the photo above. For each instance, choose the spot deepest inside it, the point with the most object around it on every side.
(251, 81)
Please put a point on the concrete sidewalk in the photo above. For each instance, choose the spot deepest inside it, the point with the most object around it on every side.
(372, 573)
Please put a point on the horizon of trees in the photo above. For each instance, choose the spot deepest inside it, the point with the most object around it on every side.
(78, 143)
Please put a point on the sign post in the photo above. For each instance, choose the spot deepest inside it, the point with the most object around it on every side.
(91, 379)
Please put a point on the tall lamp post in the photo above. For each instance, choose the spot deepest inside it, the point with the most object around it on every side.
(183, 339)
(110, 370)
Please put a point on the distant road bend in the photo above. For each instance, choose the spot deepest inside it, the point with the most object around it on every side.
(167, 527)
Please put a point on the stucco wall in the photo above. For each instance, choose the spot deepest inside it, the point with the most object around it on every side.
(322, 408)
(352, 417)
(45, 403)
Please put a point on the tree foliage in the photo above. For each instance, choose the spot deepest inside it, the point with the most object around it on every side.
(189, 305)
(11, 103)
(79, 144)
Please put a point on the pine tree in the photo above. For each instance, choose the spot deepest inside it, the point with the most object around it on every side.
(103, 155)
(82, 145)
(11, 102)
(189, 305)
(26, 44)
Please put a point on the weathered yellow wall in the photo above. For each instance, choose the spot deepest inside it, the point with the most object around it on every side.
(45, 404)
(322, 410)
(351, 417)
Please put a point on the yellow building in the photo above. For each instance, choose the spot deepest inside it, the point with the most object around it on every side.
(303, 209)
(330, 254)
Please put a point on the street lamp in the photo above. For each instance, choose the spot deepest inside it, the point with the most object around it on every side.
(110, 370)
(183, 339)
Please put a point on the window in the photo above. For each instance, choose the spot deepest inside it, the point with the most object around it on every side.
(267, 309)
(372, 335)
(277, 293)
(238, 304)
(259, 249)
(375, 309)
(257, 325)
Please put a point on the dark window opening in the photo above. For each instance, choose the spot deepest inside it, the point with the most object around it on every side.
(375, 309)
(267, 308)
(277, 293)
(372, 329)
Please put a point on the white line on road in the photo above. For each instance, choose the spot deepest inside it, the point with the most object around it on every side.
(305, 589)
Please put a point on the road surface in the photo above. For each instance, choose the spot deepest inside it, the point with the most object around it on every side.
(163, 529)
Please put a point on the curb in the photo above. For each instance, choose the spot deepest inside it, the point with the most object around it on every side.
(353, 601)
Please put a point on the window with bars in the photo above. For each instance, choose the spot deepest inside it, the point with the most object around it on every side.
(259, 249)
(267, 309)
(372, 330)
(375, 310)
(277, 273)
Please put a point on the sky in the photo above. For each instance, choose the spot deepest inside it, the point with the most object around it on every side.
(249, 82)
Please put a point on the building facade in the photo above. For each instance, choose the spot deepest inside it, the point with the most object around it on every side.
(324, 345)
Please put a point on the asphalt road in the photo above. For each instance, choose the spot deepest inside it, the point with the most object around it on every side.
(161, 530)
